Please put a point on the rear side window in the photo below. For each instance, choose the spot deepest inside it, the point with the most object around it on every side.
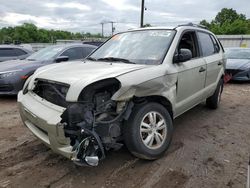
(73, 53)
(206, 44)
(7, 52)
(19, 52)
(87, 51)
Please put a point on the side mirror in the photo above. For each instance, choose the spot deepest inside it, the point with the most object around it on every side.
(62, 58)
(183, 55)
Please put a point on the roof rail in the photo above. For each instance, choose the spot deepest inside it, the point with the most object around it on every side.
(193, 25)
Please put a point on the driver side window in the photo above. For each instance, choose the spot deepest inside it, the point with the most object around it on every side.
(189, 41)
(73, 53)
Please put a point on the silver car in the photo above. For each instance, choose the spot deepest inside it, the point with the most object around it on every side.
(11, 52)
(128, 91)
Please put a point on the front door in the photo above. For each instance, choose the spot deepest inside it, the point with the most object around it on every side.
(191, 75)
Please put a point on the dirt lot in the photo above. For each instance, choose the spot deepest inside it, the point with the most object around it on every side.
(209, 149)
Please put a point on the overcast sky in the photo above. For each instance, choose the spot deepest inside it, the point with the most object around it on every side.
(86, 15)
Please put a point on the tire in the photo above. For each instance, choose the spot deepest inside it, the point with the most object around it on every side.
(136, 134)
(214, 101)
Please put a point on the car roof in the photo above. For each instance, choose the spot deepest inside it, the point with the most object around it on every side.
(11, 46)
(179, 28)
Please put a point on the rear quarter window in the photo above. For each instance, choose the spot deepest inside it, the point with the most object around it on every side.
(20, 52)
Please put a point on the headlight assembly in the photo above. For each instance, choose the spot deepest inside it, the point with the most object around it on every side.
(8, 73)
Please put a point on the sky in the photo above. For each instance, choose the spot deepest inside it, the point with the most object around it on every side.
(86, 15)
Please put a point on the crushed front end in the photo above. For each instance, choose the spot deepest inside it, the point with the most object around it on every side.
(80, 130)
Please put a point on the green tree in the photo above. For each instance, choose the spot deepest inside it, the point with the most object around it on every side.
(228, 21)
(228, 15)
(29, 33)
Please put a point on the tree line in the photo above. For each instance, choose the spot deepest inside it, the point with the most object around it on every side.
(228, 22)
(29, 33)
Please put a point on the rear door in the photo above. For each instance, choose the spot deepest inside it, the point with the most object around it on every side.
(211, 52)
(191, 75)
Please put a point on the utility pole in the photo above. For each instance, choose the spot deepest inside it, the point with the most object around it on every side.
(112, 28)
(102, 29)
(142, 12)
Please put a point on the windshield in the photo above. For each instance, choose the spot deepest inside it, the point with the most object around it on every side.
(140, 47)
(45, 53)
(238, 53)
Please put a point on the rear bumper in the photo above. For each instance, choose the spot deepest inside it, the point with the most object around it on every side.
(42, 119)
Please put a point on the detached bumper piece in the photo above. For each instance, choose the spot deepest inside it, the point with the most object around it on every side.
(78, 122)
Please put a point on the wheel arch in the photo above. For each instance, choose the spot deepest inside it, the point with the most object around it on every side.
(158, 99)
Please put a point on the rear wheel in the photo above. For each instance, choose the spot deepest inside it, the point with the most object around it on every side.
(214, 101)
(148, 132)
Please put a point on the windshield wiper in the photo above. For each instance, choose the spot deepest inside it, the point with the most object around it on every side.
(31, 59)
(114, 59)
(91, 59)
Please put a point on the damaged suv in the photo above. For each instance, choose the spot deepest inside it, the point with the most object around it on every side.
(128, 91)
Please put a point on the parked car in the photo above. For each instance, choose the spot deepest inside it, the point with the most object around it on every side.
(128, 91)
(238, 64)
(11, 52)
(14, 73)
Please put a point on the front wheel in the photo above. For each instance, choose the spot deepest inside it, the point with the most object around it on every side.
(148, 131)
(214, 101)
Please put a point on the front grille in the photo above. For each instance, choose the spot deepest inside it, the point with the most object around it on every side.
(233, 71)
(51, 91)
(6, 88)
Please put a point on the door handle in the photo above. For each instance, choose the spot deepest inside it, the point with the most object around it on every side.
(202, 69)
(220, 63)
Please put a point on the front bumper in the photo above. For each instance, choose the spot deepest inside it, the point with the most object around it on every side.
(239, 75)
(11, 86)
(42, 119)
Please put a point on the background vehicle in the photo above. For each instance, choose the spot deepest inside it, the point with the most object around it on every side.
(11, 52)
(131, 89)
(14, 73)
(238, 63)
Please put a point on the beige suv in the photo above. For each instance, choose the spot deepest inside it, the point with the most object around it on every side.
(128, 91)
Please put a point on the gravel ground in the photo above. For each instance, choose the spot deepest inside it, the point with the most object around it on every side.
(210, 149)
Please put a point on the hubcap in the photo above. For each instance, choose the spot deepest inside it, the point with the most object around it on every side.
(153, 130)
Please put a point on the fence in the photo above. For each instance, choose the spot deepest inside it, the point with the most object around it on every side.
(235, 40)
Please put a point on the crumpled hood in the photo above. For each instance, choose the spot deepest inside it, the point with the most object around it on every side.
(238, 64)
(73, 72)
(79, 74)
(17, 65)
